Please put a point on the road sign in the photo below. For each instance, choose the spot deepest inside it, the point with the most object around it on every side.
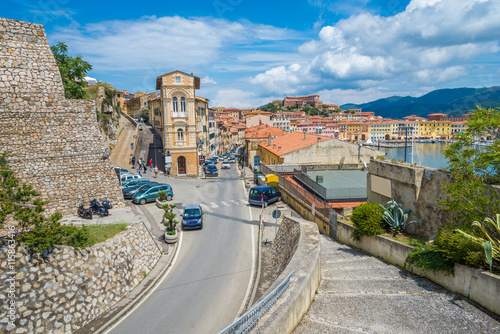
(135, 136)
(276, 214)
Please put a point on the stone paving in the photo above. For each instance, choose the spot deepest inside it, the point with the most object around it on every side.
(362, 293)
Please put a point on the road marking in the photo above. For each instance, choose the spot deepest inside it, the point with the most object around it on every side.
(213, 205)
(244, 201)
(233, 201)
(225, 203)
(129, 312)
(205, 207)
(252, 272)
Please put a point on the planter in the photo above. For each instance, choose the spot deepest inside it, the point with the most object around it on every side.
(170, 239)
(160, 204)
(248, 184)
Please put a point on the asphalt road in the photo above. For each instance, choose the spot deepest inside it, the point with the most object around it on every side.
(208, 283)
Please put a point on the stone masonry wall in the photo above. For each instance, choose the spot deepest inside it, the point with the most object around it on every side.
(284, 245)
(54, 144)
(71, 287)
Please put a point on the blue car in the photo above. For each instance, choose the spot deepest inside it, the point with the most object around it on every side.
(263, 195)
(192, 217)
(211, 170)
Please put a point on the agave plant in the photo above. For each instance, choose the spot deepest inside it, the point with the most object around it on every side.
(491, 244)
(395, 217)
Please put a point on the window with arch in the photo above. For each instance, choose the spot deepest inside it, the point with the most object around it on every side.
(174, 105)
(183, 104)
(180, 135)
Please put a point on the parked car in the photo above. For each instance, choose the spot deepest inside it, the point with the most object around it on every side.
(119, 170)
(151, 193)
(192, 217)
(225, 165)
(215, 160)
(211, 170)
(140, 126)
(135, 182)
(125, 178)
(232, 160)
(224, 156)
(129, 192)
(263, 194)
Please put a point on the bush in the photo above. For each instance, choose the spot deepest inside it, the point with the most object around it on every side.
(459, 249)
(429, 257)
(367, 220)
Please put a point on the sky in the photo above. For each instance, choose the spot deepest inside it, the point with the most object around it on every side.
(248, 53)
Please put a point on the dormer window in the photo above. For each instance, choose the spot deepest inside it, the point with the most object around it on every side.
(178, 80)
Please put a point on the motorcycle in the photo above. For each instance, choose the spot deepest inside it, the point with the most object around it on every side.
(84, 212)
(100, 209)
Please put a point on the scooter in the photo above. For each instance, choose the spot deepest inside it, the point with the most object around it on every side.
(84, 212)
(100, 209)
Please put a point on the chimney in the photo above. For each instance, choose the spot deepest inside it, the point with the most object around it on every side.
(279, 148)
(269, 140)
(305, 132)
(319, 139)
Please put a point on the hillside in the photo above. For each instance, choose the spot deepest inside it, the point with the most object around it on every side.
(455, 102)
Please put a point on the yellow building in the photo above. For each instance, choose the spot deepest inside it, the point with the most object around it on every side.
(435, 129)
(177, 91)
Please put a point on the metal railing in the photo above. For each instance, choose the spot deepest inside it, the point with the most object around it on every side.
(247, 321)
(311, 184)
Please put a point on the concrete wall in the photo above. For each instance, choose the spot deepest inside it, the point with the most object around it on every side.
(54, 144)
(415, 187)
(71, 287)
(333, 151)
(288, 311)
(478, 285)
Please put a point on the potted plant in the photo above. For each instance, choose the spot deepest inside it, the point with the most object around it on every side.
(170, 224)
(162, 200)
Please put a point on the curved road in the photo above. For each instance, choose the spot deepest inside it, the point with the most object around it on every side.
(208, 283)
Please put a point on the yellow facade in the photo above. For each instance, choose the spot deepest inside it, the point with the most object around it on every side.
(268, 158)
(435, 129)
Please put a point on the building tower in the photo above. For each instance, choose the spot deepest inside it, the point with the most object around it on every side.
(177, 91)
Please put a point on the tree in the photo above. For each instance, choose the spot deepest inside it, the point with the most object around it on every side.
(73, 71)
(144, 114)
(472, 167)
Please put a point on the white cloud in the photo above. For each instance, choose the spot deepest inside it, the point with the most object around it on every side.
(208, 80)
(237, 98)
(166, 42)
(432, 41)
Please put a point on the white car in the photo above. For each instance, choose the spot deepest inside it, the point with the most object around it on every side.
(225, 164)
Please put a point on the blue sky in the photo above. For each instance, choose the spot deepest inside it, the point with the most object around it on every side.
(250, 52)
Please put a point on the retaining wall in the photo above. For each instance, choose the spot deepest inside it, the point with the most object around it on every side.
(71, 287)
(288, 311)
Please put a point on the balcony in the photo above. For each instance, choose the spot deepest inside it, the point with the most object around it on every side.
(179, 114)
(180, 143)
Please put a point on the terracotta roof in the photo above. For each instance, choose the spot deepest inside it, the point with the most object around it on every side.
(262, 131)
(292, 142)
(437, 114)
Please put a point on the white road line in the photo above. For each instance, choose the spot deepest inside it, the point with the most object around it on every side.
(252, 273)
(213, 205)
(225, 203)
(129, 312)
(244, 201)
(233, 201)
(205, 207)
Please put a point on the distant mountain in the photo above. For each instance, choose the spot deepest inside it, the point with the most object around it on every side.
(454, 102)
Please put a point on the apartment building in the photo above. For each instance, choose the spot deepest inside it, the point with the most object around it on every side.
(281, 122)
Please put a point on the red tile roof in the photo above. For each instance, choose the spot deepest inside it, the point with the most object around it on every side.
(292, 142)
(262, 131)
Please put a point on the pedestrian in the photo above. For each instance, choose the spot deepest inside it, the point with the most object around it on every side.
(156, 172)
(145, 168)
(139, 172)
(133, 162)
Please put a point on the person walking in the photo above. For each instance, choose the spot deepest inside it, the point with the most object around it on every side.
(156, 172)
(150, 165)
(133, 162)
(145, 168)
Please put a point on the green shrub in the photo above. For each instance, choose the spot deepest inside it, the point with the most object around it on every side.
(429, 257)
(367, 220)
(459, 249)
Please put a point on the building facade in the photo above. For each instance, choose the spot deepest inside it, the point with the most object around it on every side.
(177, 91)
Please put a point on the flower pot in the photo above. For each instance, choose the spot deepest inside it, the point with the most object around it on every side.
(160, 204)
(170, 239)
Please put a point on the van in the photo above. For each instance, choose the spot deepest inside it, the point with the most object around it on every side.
(125, 178)
(265, 194)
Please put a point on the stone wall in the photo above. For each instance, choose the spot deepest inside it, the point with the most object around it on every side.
(284, 245)
(54, 144)
(415, 187)
(71, 287)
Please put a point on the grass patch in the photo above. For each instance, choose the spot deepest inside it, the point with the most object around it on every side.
(409, 239)
(100, 233)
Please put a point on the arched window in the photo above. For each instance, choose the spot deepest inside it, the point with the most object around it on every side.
(180, 135)
(174, 105)
(183, 104)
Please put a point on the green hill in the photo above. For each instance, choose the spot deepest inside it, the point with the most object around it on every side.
(455, 102)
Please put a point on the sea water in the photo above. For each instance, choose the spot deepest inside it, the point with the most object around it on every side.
(426, 154)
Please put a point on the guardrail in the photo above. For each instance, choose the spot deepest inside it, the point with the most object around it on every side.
(247, 321)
